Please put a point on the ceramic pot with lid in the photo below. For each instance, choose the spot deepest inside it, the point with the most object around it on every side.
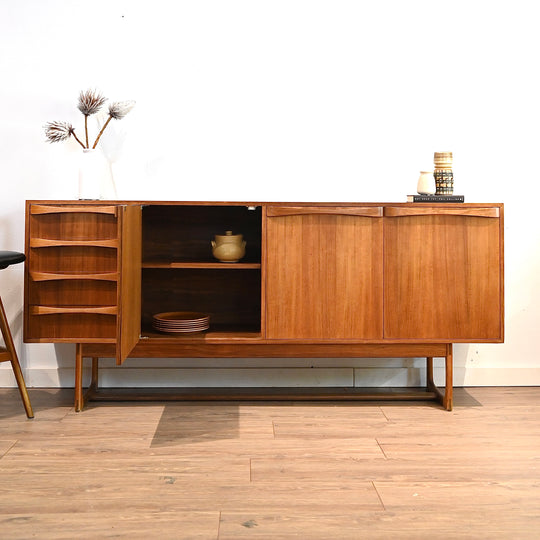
(228, 247)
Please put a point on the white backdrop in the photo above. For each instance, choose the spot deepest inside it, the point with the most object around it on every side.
(322, 100)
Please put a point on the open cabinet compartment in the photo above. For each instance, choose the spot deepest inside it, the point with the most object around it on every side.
(179, 272)
(183, 234)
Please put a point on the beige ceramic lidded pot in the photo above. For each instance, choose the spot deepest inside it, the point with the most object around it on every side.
(228, 247)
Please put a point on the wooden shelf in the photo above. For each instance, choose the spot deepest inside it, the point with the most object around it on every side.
(216, 331)
(202, 265)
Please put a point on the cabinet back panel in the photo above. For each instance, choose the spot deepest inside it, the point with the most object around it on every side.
(184, 233)
(231, 297)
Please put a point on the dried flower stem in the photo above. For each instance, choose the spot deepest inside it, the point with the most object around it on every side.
(102, 130)
(86, 129)
(77, 139)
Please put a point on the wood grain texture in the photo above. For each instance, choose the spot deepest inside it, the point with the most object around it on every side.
(324, 277)
(128, 324)
(321, 266)
(252, 346)
(443, 278)
(9, 354)
(81, 208)
(269, 471)
(71, 252)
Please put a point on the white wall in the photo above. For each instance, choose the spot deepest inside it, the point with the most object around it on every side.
(282, 100)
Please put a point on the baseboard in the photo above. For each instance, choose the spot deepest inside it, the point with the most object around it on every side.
(413, 375)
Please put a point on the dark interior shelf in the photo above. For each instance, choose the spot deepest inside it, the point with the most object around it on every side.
(202, 265)
(214, 332)
(179, 272)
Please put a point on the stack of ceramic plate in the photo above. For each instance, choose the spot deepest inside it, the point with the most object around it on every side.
(181, 321)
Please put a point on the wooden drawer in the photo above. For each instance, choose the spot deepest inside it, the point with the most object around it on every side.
(72, 273)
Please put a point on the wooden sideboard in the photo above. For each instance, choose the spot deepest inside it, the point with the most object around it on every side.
(330, 280)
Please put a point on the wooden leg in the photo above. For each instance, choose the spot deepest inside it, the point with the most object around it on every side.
(12, 353)
(95, 373)
(22, 387)
(444, 399)
(430, 383)
(448, 401)
(79, 399)
(94, 383)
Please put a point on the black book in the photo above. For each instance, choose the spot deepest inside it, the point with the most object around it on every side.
(436, 198)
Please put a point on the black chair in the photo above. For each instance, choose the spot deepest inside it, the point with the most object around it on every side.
(8, 353)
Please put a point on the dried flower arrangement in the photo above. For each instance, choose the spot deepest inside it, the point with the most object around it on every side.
(90, 102)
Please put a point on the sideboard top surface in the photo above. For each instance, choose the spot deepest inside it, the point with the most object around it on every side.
(260, 203)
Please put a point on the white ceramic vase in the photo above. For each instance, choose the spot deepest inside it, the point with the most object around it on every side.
(95, 176)
(426, 183)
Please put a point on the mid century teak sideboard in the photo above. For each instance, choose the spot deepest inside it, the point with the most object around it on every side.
(330, 280)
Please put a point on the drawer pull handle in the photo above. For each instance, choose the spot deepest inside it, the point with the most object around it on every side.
(54, 310)
(45, 242)
(55, 276)
(36, 209)
(394, 211)
(362, 211)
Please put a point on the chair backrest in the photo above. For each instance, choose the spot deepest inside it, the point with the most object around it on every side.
(8, 258)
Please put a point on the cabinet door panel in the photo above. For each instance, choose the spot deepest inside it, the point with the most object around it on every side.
(83, 274)
(443, 277)
(323, 276)
(129, 299)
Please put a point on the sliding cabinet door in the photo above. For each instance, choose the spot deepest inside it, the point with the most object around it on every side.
(324, 273)
(443, 273)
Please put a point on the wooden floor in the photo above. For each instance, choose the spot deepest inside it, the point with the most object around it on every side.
(271, 470)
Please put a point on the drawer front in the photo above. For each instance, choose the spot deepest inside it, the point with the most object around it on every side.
(72, 273)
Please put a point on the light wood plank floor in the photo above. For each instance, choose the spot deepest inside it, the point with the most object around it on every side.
(271, 470)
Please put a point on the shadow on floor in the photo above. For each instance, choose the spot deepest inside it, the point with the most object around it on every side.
(42, 399)
(197, 422)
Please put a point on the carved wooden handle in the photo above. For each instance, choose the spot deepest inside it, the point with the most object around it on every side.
(395, 211)
(57, 276)
(46, 242)
(83, 209)
(363, 211)
(53, 310)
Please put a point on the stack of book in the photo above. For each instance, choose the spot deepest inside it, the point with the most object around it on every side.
(436, 198)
